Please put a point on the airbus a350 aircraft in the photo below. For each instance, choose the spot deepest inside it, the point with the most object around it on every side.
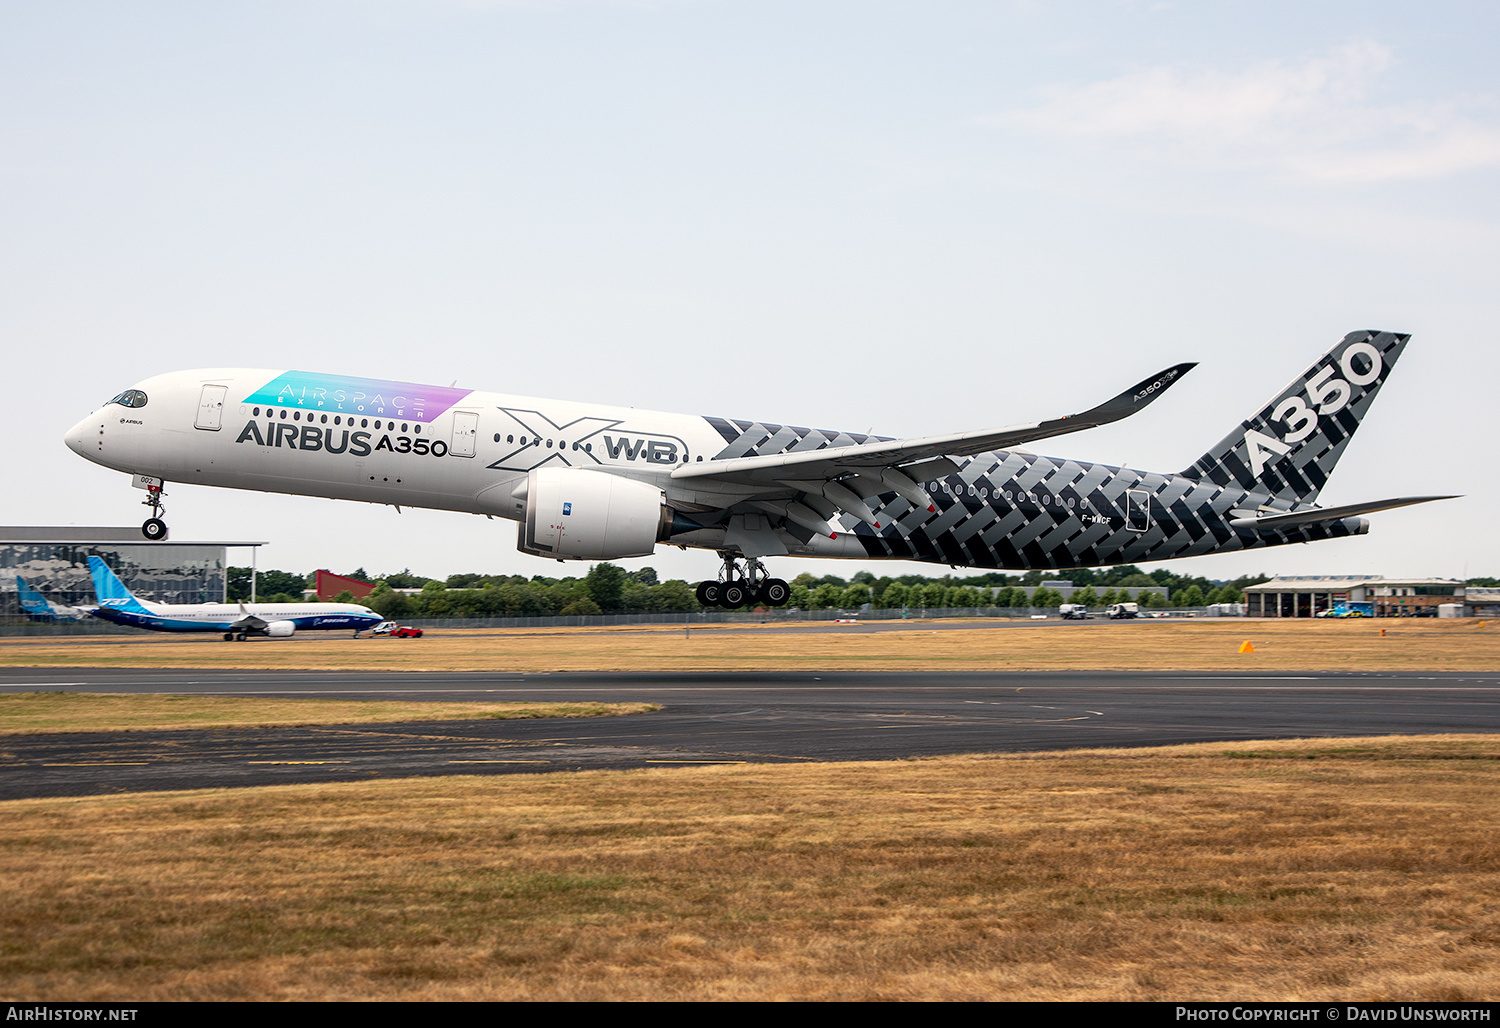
(587, 482)
(235, 621)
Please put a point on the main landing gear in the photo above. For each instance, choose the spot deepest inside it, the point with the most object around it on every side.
(740, 585)
(154, 527)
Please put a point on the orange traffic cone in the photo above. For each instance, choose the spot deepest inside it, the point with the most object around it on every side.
(1245, 647)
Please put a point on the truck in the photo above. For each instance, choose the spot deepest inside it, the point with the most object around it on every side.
(1118, 611)
(1074, 612)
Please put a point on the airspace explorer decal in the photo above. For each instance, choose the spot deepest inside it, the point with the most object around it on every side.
(344, 394)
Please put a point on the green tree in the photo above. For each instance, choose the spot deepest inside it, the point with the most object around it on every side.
(605, 585)
(268, 582)
(857, 595)
(582, 607)
(385, 600)
(237, 583)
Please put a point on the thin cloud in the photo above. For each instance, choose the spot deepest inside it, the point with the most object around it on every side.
(1311, 121)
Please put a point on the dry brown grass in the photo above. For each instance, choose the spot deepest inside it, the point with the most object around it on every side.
(1437, 645)
(31, 713)
(1321, 870)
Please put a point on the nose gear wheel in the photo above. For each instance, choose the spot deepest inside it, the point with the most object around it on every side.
(154, 528)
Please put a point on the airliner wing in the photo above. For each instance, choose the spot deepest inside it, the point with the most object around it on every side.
(894, 453)
(248, 622)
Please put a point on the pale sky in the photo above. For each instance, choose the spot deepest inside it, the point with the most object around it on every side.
(910, 218)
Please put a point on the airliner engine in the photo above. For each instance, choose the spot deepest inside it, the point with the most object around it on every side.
(281, 629)
(579, 514)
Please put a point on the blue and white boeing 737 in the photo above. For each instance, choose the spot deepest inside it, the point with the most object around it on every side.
(236, 621)
(588, 482)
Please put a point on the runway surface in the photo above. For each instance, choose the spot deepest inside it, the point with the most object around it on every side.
(716, 718)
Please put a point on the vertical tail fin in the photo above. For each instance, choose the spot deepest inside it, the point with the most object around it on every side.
(110, 591)
(33, 604)
(1288, 448)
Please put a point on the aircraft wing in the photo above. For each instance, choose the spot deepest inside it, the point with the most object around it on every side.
(248, 622)
(1313, 515)
(834, 462)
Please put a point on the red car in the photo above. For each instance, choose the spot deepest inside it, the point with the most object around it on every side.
(396, 631)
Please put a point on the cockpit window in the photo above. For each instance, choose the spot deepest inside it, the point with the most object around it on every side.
(130, 398)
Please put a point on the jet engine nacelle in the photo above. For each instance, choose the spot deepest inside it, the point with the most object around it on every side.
(281, 629)
(579, 514)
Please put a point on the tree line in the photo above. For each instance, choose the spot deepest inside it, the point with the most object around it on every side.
(609, 589)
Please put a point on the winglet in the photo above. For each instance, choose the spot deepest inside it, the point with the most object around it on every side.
(1131, 400)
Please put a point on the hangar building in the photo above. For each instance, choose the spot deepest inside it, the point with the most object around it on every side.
(1305, 596)
(55, 562)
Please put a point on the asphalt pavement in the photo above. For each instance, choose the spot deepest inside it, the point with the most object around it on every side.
(708, 718)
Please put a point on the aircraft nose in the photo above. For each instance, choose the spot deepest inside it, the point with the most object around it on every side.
(87, 432)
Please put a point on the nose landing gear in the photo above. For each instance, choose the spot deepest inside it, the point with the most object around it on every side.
(741, 585)
(154, 527)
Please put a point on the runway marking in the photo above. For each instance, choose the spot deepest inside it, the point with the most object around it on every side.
(23, 685)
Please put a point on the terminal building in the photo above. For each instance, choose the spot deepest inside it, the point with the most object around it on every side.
(55, 562)
(1305, 596)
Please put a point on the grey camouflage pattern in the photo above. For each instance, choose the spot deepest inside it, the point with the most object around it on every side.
(1011, 510)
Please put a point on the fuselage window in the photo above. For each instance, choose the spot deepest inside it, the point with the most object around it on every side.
(417, 429)
(364, 422)
(296, 415)
(323, 420)
(523, 440)
(283, 415)
(256, 412)
(403, 427)
(337, 420)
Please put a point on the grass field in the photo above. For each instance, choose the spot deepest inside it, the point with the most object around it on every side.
(1356, 869)
(1350, 869)
(1436, 645)
(94, 712)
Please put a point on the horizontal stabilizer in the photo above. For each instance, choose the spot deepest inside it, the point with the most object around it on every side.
(832, 462)
(1315, 515)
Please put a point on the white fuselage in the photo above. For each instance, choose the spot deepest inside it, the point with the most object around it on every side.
(397, 443)
(226, 617)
